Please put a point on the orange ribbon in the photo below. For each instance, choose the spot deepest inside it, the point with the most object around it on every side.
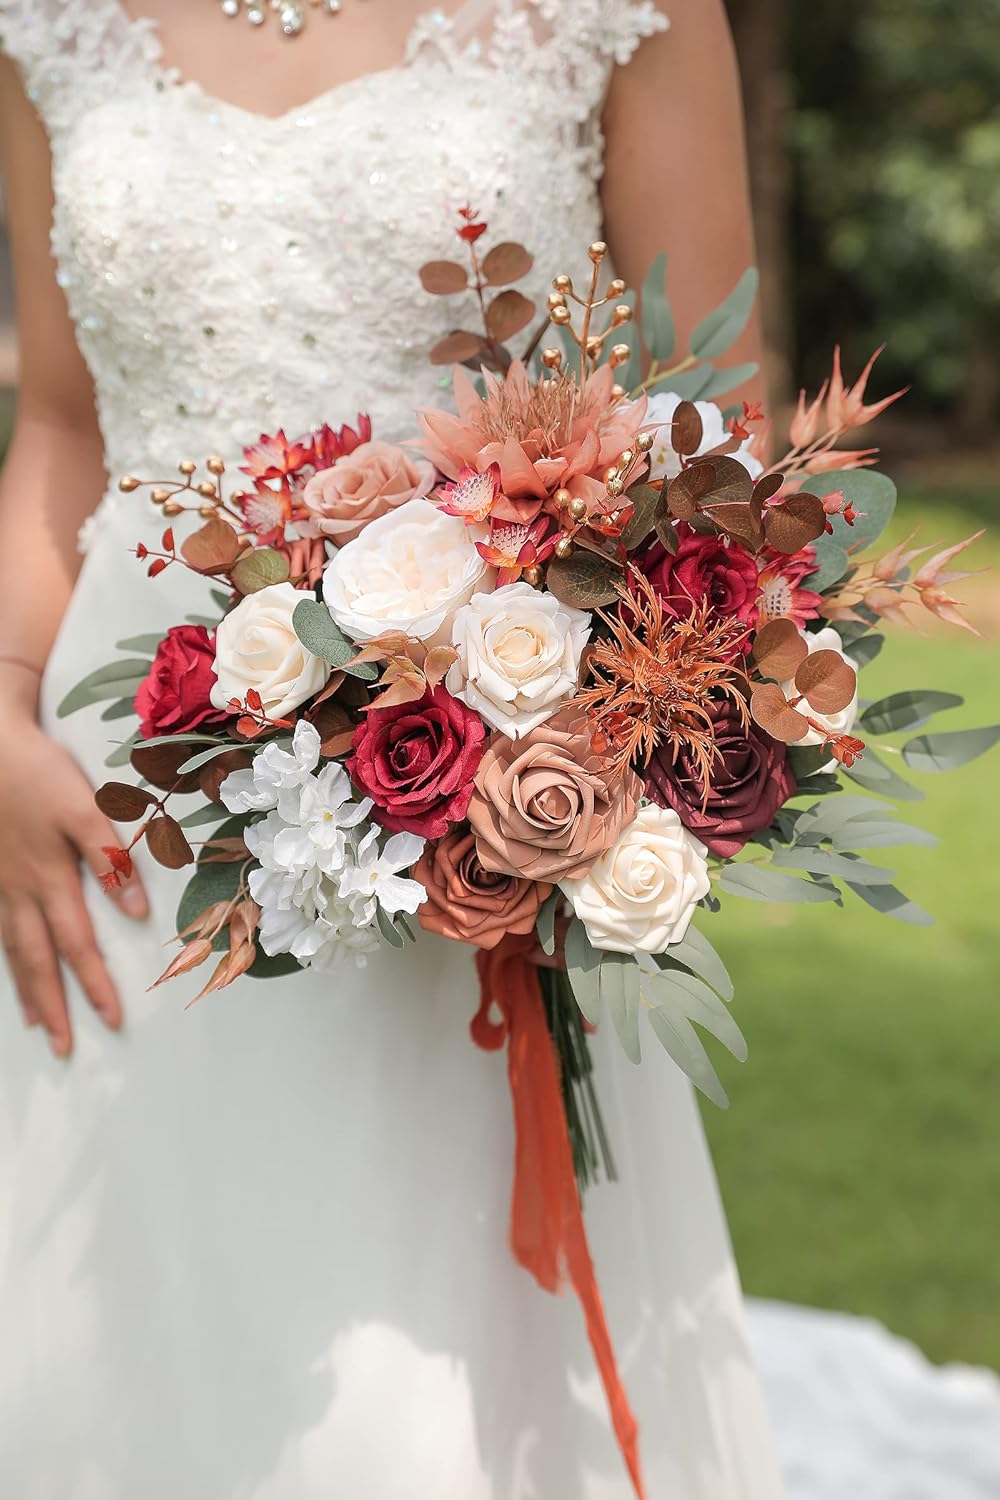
(546, 1222)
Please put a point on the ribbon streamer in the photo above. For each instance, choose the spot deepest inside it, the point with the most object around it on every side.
(547, 1233)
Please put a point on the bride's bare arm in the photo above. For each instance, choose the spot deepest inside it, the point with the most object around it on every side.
(51, 479)
(675, 169)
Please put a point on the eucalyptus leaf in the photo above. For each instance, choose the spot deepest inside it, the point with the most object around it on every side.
(872, 772)
(118, 679)
(825, 818)
(212, 812)
(583, 963)
(720, 330)
(864, 650)
(887, 835)
(319, 633)
(697, 954)
(388, 928)
(762, 883)
(121, 755)
(583, 580)
(274, 966)
(832, 562)
(205, 621)
(905, 710)
(948, 751)
(202, 758)
(221, 599)
(545, 926)
(658, 327)
(122, 709)
(727, 379)
(699, 1004)
(619, 990)
(209, 883)
(892, 903)
(872, 495)
(259, 569)
(648, 502)
(827, 862)
(688, 384)
(142, 644)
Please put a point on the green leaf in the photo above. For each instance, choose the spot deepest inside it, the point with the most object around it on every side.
(762, 883)
(905, 710)
(117, 680)
(546, 924)
(619, 989)
(221, 599)
(205, 620)
(727, 379)
(209, 883)
(888, 835)
(202, 758)
(873, 773)
(864, 650)
(946, 752)
(583, 963)
(826, 862)
(185, 739)
(677, 999)
(873, 496)
(716, 333)
(319, 633)
(120, 710)
(274, 966)
(689, 384)
(260, 569)
(892, 903)
(832, 563)
(698, 955)
(658, 328)
(388, 928)
(825, 818)
(122, 754)
(212, 812)
(141, 643)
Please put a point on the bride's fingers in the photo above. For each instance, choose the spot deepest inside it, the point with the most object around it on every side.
(76, 942)
(92, 834)
(33, 962)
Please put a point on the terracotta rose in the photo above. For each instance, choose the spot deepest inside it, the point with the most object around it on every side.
(545, 806)
(374, 479)
(468, 903)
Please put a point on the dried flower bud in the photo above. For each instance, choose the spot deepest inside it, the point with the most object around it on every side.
(597, 251)
(215, 465)
(128, 484)
(186, 467)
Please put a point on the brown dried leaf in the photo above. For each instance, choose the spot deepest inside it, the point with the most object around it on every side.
(443, 278)
(740, 523)
(585, 580)
(687, 429)
(213, 774)
(507, 314)
(158, 765)
(779, 650)
(167, 843)
(731, 485)
(827, 680)
(505, 263)
(259, 569)
(647, 504)
(406, 688)
(688, 489)
(243, 923)
(213, 548)
(775, 717)
(455, 348)
(795, 523)
(229, 967)
(767, 487)
(223, 852)
(190, 956)
(666, 535)
(122, 802)
(208, 922)
(437, 664)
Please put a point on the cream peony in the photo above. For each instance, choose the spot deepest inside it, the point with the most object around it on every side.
(256, 647)
(518, 656)
(664, 462)
(410, 570)
(639, 896)
(826, 639)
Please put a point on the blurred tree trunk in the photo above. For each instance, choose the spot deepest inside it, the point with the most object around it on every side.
(761, 31)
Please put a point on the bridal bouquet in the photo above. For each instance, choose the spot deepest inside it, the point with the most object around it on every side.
(553, 679)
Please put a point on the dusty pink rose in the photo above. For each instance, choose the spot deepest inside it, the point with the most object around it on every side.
(373, 479)
(544, 436)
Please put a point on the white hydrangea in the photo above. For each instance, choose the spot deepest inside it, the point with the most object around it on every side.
(322, 877)
(664, 462)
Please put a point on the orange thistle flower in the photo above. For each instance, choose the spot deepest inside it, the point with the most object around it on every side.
(654, 677)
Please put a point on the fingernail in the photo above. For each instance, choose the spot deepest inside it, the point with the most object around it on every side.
(60, 1046)
(132, 901)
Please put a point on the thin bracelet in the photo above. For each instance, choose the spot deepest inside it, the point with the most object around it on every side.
(19, 661)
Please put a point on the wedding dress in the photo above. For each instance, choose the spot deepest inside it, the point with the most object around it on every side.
(257, 1251)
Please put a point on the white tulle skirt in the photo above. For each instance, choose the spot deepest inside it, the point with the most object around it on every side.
(257, 1250)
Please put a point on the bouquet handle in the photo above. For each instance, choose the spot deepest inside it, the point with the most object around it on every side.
(547, 1232)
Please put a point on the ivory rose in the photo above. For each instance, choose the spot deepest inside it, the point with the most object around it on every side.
(374, 479)
(410, 570)
(639, 896)
(547, 805)
(518, 656)
(256, 647)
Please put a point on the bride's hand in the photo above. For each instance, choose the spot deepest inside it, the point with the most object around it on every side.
(48, 823)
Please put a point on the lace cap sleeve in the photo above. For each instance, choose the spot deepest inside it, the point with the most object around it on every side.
(71, 55)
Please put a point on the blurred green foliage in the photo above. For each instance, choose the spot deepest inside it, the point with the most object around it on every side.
(895, 137)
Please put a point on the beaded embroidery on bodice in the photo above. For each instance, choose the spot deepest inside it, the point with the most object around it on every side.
(229, 273)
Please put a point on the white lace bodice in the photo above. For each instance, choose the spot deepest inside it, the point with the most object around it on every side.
(230, 273)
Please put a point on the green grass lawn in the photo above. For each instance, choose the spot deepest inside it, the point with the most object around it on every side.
(860, 1160)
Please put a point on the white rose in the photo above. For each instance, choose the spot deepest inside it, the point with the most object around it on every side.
(640, 895)
(518, 656)
(842, 722)
(410, 570)
(664, 462)
(256, 647)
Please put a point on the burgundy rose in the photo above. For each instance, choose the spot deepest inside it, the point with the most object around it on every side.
(707, 567)
(416, 761)
(750, 779)
(176, 696)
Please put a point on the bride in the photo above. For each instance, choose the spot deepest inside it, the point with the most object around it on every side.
(258, 1252)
